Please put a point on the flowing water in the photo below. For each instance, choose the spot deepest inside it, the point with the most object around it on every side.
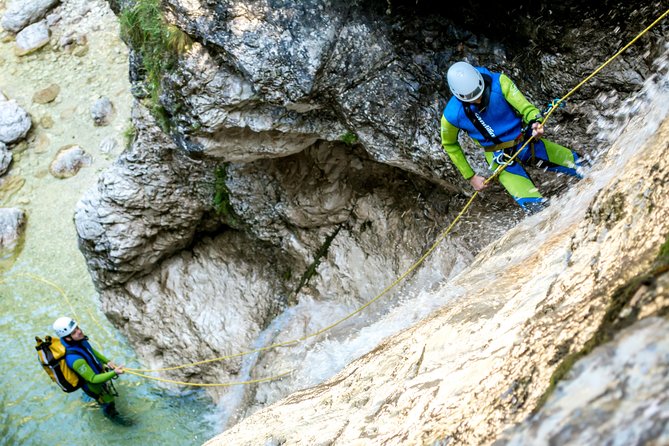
(535, 244)
(48, 278)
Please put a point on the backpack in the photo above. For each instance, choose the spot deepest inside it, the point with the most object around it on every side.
(51, 355)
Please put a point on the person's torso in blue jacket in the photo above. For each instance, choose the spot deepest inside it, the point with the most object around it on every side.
(500, 118)
(82, 349)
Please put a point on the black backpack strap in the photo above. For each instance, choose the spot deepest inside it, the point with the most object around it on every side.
(476, 119)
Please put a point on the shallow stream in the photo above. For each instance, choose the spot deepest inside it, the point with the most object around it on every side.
(48, 278)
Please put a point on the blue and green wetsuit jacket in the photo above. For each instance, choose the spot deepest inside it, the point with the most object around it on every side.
(88, 364)
(504, 116)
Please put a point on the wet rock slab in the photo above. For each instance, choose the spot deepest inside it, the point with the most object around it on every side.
(602, 400)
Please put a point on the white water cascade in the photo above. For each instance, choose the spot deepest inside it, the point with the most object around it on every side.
(483, 310)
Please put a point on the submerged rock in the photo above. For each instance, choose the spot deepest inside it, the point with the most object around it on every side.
(68, 161)
(102, 111)
(12, 221)
(5, 158)
(21, 13)
(32, 38)
(108, 145)
(14, 122)
(46, 95)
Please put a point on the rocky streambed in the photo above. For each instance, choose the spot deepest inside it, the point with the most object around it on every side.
(67, 134)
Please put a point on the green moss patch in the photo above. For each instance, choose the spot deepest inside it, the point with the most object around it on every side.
(349, 138)
(221, 199)
(159, 44)
(320, 254)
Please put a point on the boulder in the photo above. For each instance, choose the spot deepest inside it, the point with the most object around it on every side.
(12, 221)
(68, 161)
(32, 38)
(102, 111)
(14, 122)
(21, 13)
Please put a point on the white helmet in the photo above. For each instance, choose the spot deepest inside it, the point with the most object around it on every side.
(64, 326)
(465, 81)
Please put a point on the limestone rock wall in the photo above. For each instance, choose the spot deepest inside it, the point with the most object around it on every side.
(292, 154)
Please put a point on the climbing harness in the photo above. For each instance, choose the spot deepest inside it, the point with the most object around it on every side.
(503, 157)
(556, 103)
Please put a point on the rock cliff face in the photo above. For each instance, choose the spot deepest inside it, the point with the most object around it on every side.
(481, 364)
(286, 160)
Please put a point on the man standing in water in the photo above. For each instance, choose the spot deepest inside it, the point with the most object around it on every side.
(88, 364)
(492, 111)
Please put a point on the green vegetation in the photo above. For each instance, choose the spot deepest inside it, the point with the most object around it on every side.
(318, 256)
(222, 197)
(618, 316)
(349, 138)
(158, 43)
(663, 255)
(129, 135)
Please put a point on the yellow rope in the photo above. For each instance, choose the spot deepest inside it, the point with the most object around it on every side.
(47, 282)
(37, 278)
(334, 324)
(63, 293)
(563, 98)
(631, 42)
(429, 251)
(184, 383)
(443, 235)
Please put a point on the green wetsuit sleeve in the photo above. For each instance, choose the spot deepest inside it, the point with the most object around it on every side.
(103, 359)
(83, 369)
(514, 97)
(449, 141)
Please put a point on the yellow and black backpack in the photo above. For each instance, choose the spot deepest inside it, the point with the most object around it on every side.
(51, 355)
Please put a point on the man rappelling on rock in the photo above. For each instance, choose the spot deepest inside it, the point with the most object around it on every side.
(494, 113)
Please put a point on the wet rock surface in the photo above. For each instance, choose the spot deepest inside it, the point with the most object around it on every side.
(480, 365)
(294, 148)
(606, 391)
